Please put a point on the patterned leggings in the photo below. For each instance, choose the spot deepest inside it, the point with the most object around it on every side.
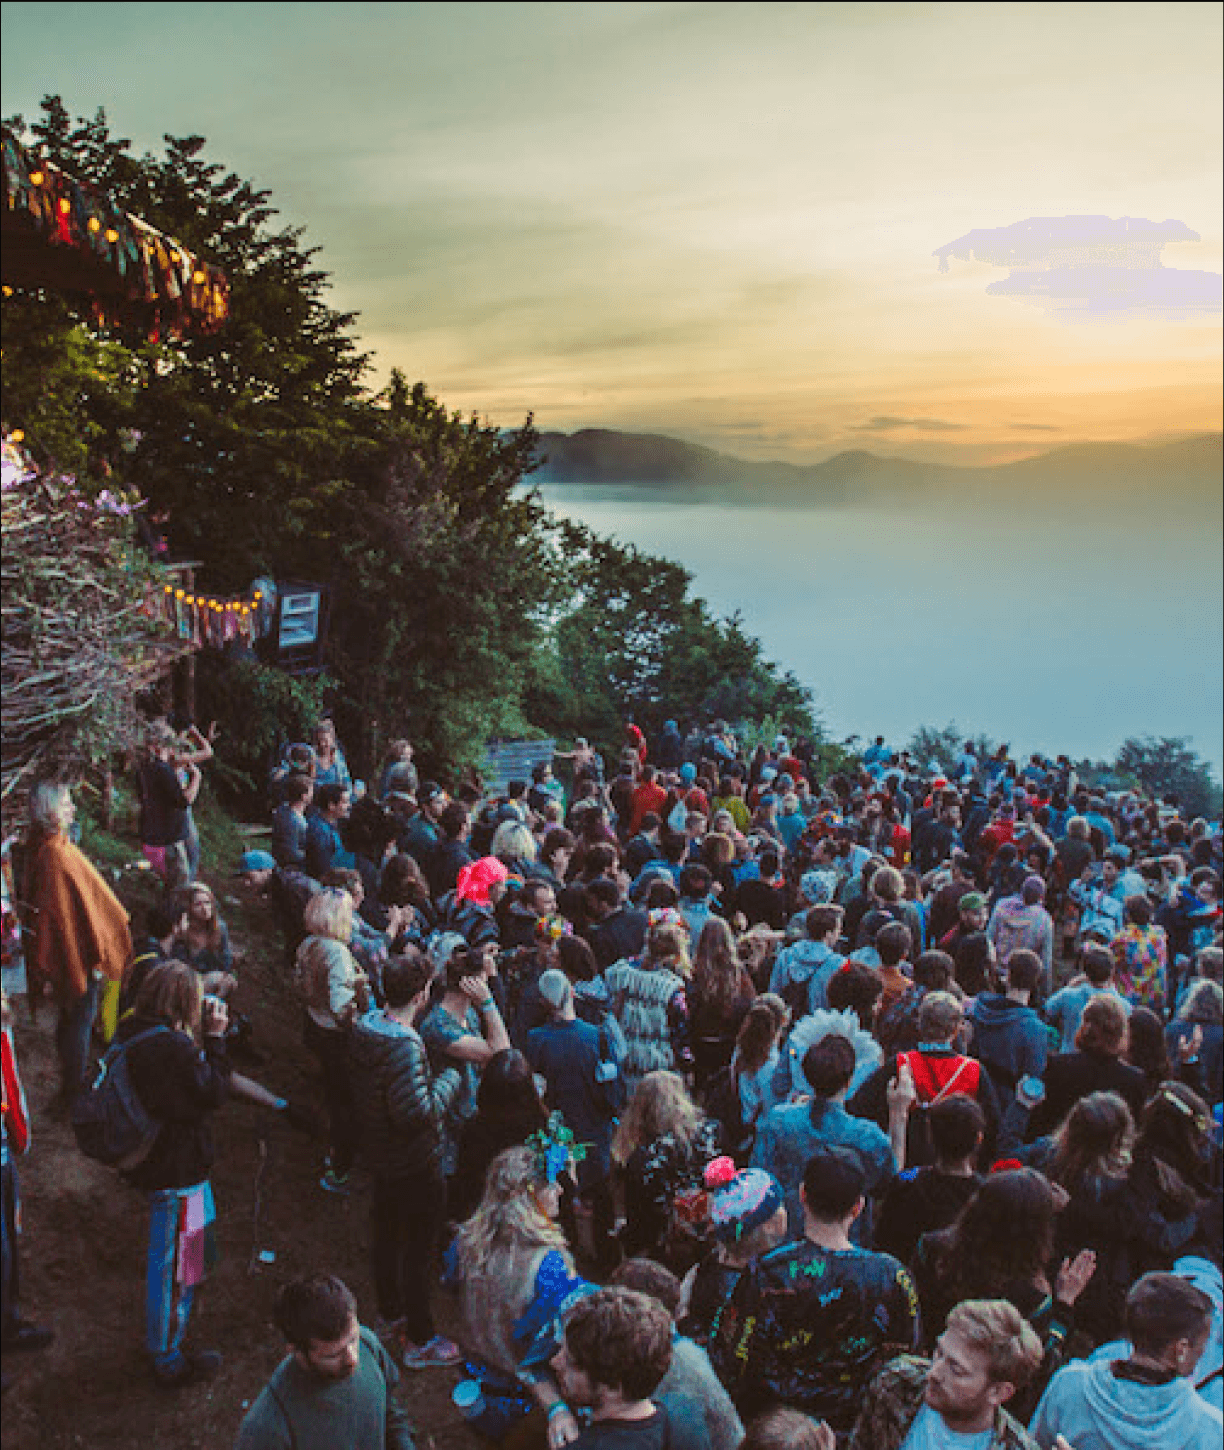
(167, 1301)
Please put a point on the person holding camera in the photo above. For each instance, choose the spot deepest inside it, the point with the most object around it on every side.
(464, 1029)
(177, 1064)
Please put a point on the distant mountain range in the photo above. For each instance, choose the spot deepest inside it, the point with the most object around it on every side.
(1189, 467)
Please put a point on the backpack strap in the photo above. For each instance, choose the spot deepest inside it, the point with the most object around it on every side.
(289, 1426)
(961, 1066)
(116, 1049)
(929, 1091)
(920, 1071)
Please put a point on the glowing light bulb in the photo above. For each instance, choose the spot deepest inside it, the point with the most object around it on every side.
(94, 224)
(36, 178)
(111, 234)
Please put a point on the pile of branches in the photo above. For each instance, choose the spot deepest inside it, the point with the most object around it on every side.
(82, 633)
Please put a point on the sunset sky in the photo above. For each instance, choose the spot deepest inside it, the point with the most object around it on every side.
(710, 220)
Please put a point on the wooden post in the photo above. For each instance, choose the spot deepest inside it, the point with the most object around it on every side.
(185, 673)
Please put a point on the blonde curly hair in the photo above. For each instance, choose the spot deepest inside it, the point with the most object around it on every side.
(660, 1105)
(510, 1216)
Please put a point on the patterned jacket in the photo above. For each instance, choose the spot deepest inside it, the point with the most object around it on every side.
(643, 1003)
(892, 1403)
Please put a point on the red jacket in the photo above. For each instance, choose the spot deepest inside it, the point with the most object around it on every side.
(16, 1117)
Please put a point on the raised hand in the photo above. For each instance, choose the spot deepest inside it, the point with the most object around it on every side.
(1074, 1275)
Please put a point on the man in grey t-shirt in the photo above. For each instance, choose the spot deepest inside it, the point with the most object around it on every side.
(336, 1385)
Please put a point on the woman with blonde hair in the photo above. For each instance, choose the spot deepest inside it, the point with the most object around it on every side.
(649, 1001)
(719, 997)
(335, 991)
(662, 1144)
(515, 1272)
(515, 847)
(331, 768)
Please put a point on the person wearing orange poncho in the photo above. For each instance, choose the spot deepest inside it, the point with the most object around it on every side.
(77, 929)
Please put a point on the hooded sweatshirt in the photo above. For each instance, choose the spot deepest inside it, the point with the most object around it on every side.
(1010, 1039)
(805, 962)
(1095, 1410)
(1204, 1275)
(1015, 927)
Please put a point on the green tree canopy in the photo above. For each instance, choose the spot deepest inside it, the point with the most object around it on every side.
(1169, 769)
(460, 608)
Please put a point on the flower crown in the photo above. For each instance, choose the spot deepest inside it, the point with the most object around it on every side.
(555, 1148)
(553, 928)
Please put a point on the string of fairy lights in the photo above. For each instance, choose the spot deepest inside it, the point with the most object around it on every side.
(208, 619)
(175, 287)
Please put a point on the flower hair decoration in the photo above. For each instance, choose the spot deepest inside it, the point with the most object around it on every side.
(555, 1148)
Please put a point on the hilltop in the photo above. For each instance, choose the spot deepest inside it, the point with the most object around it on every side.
(689, 472)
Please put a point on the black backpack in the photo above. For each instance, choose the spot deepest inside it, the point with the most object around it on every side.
(111, 1124)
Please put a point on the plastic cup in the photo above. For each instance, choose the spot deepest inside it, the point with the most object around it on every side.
(468, 1399)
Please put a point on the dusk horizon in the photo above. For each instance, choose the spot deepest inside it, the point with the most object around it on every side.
(780, 231)
(965, 260)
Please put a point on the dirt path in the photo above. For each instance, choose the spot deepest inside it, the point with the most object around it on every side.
(83, 1257)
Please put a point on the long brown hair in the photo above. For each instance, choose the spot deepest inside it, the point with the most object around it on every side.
(172, 994)
(1004, 1236)
(767, 1019)
(719, 978)
(1093, 1142)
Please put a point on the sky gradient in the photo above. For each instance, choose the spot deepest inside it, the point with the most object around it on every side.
(714, 221)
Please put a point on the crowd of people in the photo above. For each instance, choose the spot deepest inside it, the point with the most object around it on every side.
(731, 1104)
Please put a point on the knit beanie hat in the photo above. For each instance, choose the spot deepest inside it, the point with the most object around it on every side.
(739, 1202)
(688, 772)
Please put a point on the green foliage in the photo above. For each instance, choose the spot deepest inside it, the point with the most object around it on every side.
(257, 709)
(944, 745)
(239, 434)
(632, 641)
(444, 581)
(929, 744)
(460, 609)
(1168, 768)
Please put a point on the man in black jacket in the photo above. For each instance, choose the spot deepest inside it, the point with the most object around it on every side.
(451, 854)
(400, 1107)
(616, 931)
